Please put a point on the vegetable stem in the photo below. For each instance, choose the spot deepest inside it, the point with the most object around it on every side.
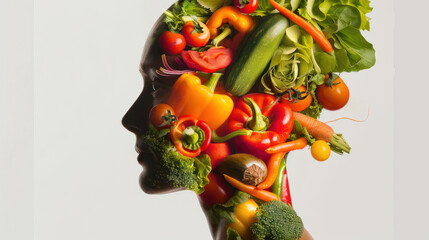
(257, 122)
(241, 132)
(225, 33)
(212, 81)
(169, 14)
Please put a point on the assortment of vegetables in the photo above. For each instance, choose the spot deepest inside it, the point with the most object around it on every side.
(250, 80)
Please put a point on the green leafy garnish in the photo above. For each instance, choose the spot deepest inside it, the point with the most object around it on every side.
(182, 10)
(226, 210)
(232, 234)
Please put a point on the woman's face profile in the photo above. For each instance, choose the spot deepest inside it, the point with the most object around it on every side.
(136, 120)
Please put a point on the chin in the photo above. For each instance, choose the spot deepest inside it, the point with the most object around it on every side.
(151, 167)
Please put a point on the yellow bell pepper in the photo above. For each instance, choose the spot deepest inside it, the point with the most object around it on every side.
(190, 97)
(244, 217)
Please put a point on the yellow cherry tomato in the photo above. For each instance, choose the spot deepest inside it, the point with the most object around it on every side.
(320, 150)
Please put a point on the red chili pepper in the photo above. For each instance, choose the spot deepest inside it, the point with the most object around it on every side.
(270, 121)
(190, 136)
(285, 196)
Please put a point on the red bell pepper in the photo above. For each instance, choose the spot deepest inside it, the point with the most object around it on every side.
(217, 152)
(216, 191)
(190, 136)
(270, 121)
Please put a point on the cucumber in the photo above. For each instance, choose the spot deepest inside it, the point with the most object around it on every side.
(256, 54)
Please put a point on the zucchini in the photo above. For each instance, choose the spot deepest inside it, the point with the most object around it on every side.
(256, 54)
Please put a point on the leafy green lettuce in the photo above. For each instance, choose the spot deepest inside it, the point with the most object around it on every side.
(361, 53)
(264, 6)
(342, 22)
(322, 10)
(291, 63)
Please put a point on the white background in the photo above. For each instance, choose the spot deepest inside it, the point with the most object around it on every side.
(69, 72)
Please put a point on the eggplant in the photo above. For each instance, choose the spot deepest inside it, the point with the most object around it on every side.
(244, 167)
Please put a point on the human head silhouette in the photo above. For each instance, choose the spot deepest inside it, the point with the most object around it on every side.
(156, 90)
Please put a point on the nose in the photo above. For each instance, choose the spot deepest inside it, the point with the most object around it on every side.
(136, 119)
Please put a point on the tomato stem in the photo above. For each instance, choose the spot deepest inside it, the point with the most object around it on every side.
(197, 26)
(169, 119)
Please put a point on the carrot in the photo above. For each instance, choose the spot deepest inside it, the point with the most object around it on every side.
(273, 168)
(316, 128)
(317, 35)
(321, 131)
(252, 190)
(300, 143)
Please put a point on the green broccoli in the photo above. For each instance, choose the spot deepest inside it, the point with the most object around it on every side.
(174, 169)
(276, 221)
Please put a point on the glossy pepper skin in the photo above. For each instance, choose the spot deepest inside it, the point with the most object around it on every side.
(279, 126)
(242, 23)
(189, 97)
(199, 139)
(244, 217)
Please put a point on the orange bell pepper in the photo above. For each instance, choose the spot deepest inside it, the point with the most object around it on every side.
(190, 97)
(242, 23)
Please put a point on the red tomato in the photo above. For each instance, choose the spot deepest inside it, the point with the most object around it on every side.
(196, 34)
(157, 113)
(210, 61)
(246, 6)
(333, 97)
(216, 191)
(217, 152)
(297, 104)
(172, 43)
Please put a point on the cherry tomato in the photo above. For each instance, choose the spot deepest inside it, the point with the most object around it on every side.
(320, 150)
(216, 191)
(246, 6)
(210, 61)
(335, 96)
(301, 99)
(157, 113)
(172, 43)
(196, 33)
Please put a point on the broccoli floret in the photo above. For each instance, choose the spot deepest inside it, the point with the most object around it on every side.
(276, 221)
(175, 169)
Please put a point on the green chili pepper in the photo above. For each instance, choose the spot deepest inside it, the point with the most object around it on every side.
(277, 185)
